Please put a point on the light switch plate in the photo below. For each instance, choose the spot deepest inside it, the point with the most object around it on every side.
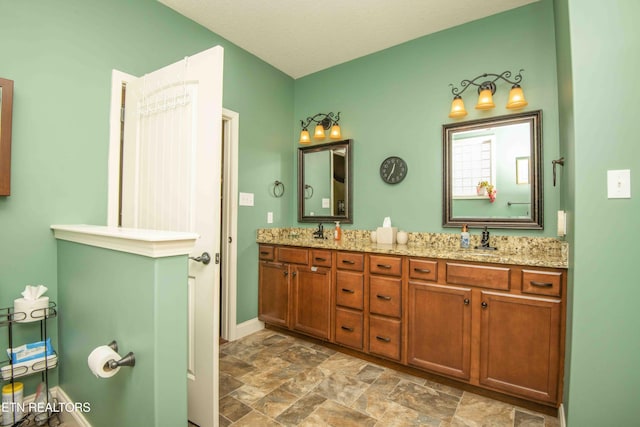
(326, 203)
(246, 199)
(619, 184)
(562, 223)
(269, 217)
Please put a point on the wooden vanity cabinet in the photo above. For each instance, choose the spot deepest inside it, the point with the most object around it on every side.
(349, 291)
(494, 326)
(520, 345)
(439, 328)
(385, 306)
(294, 289)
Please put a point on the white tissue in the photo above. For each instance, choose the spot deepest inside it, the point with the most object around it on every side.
(34, 292)
(387, 222)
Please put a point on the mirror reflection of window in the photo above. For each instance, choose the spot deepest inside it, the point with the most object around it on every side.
(472, 162)
(338, 188)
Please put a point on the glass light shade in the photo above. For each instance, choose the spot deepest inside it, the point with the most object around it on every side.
(457, 108)
(335, 132)
(485, 100)
(305, 138)
(516, 98)
(318, 133)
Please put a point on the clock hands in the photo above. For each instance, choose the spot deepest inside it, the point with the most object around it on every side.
(392, 169)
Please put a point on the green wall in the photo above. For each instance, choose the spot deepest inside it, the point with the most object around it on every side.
(599, 79)
(60, 55)
(142, 303)
(395, 102)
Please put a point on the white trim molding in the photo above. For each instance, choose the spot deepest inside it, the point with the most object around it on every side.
(150, 243)
(562, 416)
(247, 328)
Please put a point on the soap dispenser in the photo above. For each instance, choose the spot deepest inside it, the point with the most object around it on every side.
(464, 237)
(337, 234)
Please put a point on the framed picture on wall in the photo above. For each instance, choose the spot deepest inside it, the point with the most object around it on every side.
(6, 111)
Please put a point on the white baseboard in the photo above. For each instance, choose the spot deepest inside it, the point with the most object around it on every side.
(561, 416)
(247, 328)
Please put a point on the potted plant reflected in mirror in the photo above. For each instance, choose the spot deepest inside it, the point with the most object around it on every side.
(486, 189)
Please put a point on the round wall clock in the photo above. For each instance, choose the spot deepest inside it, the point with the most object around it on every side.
(393, 170)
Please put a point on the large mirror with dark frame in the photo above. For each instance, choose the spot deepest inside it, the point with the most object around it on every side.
(492, 172)
(324, 182)
(6, 108)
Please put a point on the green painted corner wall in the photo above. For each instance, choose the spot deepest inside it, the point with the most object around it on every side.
(140, 302)
(603, 378)
(395, 102)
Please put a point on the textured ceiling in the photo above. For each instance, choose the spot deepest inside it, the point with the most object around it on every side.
(300, 37)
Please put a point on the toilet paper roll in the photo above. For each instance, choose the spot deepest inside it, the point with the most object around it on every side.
(98, 361)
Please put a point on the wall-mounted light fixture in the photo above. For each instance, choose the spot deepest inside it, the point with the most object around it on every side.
(323, 122)
(486, 89)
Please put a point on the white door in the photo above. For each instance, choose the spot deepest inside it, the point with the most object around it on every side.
(171, 181)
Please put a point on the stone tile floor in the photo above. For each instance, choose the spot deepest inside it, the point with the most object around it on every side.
(272, 379)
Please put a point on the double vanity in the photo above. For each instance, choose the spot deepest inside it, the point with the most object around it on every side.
(494, 320)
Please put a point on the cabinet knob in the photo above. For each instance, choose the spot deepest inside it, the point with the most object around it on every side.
(294, 273)
(484, 304)
(466, 301)
(286, 273)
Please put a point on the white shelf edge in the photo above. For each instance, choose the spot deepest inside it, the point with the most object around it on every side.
(149, 243)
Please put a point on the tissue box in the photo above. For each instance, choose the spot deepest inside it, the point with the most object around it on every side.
(33, 309)
(386, 235)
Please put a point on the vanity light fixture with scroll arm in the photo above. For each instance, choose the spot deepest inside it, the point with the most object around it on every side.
(323, 122)
(486, 84)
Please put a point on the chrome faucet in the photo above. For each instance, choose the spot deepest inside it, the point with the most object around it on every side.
(319, 233)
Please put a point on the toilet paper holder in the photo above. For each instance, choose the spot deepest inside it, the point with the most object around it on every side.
(128, 360)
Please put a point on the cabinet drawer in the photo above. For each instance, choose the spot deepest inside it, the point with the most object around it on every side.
(479, 275)
(384, 296)
(389, 265)
(349, 328)
(321, 258)
(384, 337)
(293, 255)
(350, 261)
(423, 270)
(350, 289)
(266, 253)
(541, 282)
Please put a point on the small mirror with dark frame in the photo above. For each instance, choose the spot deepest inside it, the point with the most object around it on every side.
(492, 172)
(6, 111)
(324, 182)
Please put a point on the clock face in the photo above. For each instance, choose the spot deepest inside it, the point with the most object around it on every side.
(393, 170)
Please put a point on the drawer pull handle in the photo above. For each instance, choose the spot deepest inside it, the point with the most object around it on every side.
(384, 297)
(346, 328)
(541, 284)
(321, 259)
(264, 253)
(348, 261)
(349, 291)
(422, 270)
(383, 339)
(385, 266)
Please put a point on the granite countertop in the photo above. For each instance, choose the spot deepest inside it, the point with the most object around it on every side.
(533, 251)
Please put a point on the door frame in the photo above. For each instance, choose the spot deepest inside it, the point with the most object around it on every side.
(231, 125)
(229, 231)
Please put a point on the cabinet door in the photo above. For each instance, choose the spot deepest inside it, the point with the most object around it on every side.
(520, 345)
(273, 293)
(312, 300)
(439, 329)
